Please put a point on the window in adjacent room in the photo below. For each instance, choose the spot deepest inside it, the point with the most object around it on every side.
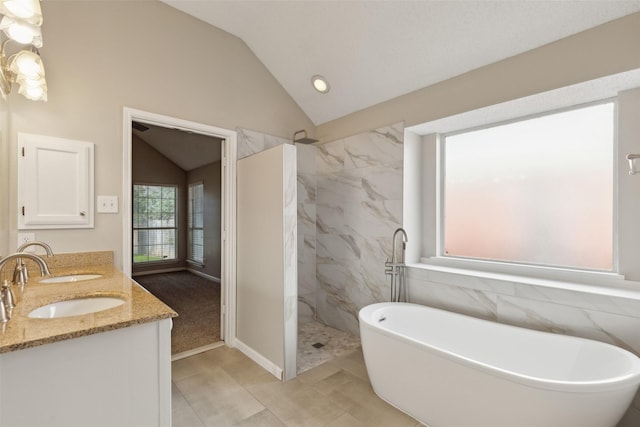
(533, 191)
(154, 223)
(196, 223)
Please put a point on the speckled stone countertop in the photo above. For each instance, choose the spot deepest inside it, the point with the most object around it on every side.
(23, 332)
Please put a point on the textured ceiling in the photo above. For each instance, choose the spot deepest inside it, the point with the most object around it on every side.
(372, 51)
(188, 150)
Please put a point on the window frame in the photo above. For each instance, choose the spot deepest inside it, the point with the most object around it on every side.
(175, 227)
(513, 267)
(190, 221)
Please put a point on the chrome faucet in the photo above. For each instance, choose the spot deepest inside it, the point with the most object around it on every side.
(20, 273)
(7, 299)
(44, 268)
(395, 267)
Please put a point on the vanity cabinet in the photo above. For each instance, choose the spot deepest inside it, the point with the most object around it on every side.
(55, 182)
(118, 378)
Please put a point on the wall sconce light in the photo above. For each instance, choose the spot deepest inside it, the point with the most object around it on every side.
(21, 24)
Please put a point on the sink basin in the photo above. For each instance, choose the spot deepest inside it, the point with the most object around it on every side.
(75, 307)
(70, 278)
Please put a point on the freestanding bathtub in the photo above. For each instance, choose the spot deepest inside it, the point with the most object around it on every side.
(450, 370)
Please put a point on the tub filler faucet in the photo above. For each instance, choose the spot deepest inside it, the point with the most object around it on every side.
(395, 268)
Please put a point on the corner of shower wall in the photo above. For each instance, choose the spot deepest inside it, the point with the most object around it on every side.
(252, 142)
(350, 195)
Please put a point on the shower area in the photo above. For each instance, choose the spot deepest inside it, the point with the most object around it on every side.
(349, 203)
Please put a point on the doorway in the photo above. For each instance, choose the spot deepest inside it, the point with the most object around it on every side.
(182, 251)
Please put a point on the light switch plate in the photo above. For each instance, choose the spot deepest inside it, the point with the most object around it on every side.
(107, 204)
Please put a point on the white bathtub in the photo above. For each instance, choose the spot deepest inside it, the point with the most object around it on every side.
(451, 370)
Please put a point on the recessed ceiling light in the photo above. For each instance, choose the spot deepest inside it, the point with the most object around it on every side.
(320, 84)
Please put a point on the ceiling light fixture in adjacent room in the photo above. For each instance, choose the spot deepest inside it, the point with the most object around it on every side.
(21, 24)
(320, 84)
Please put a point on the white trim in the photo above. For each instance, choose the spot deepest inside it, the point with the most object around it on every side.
(615, 202)
(229, 150)
(158, 271)
(195, 263)
(205, 275)
(228, 233)
(440, 153)
(195, 351)
(163, 329)
(259, 359)
(520, 273)
(174, 270)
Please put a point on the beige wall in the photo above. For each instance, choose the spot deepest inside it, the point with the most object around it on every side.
(101, 56)
(210, 176)
(607, 49)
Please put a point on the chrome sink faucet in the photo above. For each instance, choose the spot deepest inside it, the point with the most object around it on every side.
(7, 299)
(20, 273)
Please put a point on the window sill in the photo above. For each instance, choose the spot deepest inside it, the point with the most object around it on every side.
(593, 282)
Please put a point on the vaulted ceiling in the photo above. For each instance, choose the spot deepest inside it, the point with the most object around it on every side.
(374, 50)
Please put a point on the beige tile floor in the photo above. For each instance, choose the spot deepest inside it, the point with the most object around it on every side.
(223, 387)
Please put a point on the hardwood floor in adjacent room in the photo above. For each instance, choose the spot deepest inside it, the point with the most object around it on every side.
(197, 302)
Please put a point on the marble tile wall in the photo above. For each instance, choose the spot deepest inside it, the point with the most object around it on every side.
(251, 142)
(306, 232)
(358, 207)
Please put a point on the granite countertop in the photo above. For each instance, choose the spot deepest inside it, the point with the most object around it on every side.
(23, 332)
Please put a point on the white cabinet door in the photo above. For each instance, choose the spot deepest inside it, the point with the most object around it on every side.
(119, 378)
(55, 182)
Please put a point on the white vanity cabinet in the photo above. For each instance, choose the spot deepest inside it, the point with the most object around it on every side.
(118, 378)
(55, 182)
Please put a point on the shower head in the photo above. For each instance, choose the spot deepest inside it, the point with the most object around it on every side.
(304, 139)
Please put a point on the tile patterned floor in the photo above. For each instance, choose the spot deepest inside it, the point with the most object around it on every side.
(223, 387)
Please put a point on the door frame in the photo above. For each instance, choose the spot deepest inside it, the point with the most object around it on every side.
(228, 214)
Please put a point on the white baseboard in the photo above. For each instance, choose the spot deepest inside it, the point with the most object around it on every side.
(173, 270)
(195, 351)
(259, 359)
(201, 274)
(163, 270)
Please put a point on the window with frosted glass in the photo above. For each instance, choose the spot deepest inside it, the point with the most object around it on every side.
(196, 222)
(535, 191)
(154, 223)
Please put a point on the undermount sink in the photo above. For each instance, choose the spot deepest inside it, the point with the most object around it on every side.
(70, 278)
(76, 307)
